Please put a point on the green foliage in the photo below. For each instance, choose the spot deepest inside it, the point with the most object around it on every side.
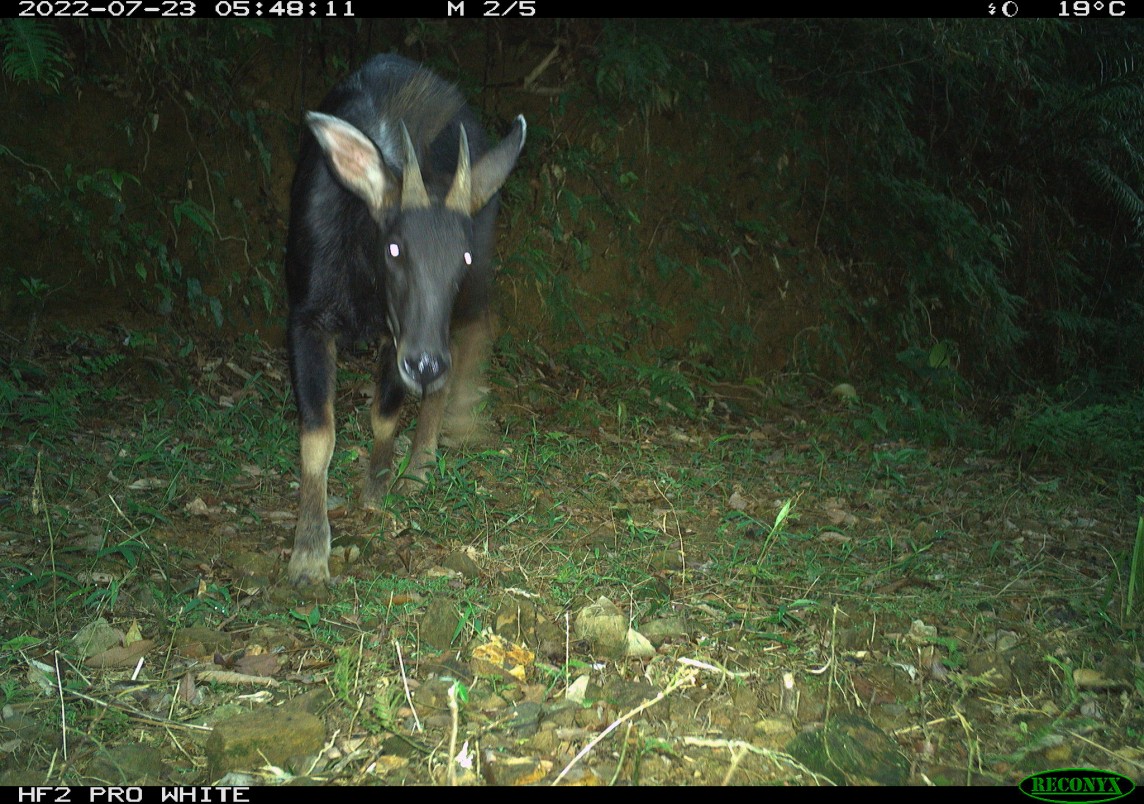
(387, 702)
(1135, 587)
(176, 239)
(34, 288)
(1109, 434)
(92, 210)
(656, 64)
(32, 51)
(662, 386)
(1124, 196)
(974, 187)
(346, 668)
(55, 409)
(637, 69)
(923, 398)
(311, 617)
(1009, 162)
(193, 59)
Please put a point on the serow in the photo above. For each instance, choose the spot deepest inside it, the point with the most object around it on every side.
(392, 212)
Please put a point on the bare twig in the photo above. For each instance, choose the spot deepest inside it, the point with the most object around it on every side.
(231, 677)
(684, 678)
(60, 693)
(1117, 754)
(742, 747)
(455, 716)
(528, 79)
(174, 724)
(405, 684)
(8, 152)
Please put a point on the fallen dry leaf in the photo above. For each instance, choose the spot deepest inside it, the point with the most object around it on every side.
(258, 664)
(499, 658)
(187, 688)
(120, 657)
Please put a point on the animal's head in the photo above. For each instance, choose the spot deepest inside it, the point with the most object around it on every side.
(428, 242)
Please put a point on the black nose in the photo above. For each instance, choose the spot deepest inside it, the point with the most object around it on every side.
(424, 369)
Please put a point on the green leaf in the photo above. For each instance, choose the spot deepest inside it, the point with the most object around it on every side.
(32, 52)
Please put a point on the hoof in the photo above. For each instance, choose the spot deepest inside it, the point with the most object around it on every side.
(462, 428)
(374, 492)
(308, 570)
(410, 484)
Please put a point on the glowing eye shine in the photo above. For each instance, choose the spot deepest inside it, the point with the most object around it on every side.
(468, 258)
(394, 250)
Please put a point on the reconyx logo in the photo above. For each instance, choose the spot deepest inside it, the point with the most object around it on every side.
(1069, 785)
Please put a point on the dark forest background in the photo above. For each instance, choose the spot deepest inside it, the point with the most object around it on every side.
(945, 215)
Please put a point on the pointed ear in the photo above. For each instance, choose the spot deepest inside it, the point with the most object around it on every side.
(493, 168)
(354, 160)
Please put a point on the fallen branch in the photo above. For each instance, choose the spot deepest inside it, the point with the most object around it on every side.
(684, 678)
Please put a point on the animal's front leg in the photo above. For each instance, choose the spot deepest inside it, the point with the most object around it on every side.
(423, 452)
(313, 365)
(384, 416)
(471, 342)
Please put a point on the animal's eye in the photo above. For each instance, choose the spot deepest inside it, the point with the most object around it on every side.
(468, 258)
(394, 250)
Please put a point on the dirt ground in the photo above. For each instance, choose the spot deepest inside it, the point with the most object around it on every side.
(917, 615)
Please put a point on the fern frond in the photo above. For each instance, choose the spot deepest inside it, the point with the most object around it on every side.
(33, 51)
(1126, 198)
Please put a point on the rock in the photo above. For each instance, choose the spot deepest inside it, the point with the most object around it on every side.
(132, 764)
(849, 749)
(439, 624)
(463, 564)
(665, 628)
(273, 735)
(502, 770)
(637, 645)
(604, 626)
(95, 638)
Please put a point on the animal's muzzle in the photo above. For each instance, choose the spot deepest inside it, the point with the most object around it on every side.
(424, 372)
